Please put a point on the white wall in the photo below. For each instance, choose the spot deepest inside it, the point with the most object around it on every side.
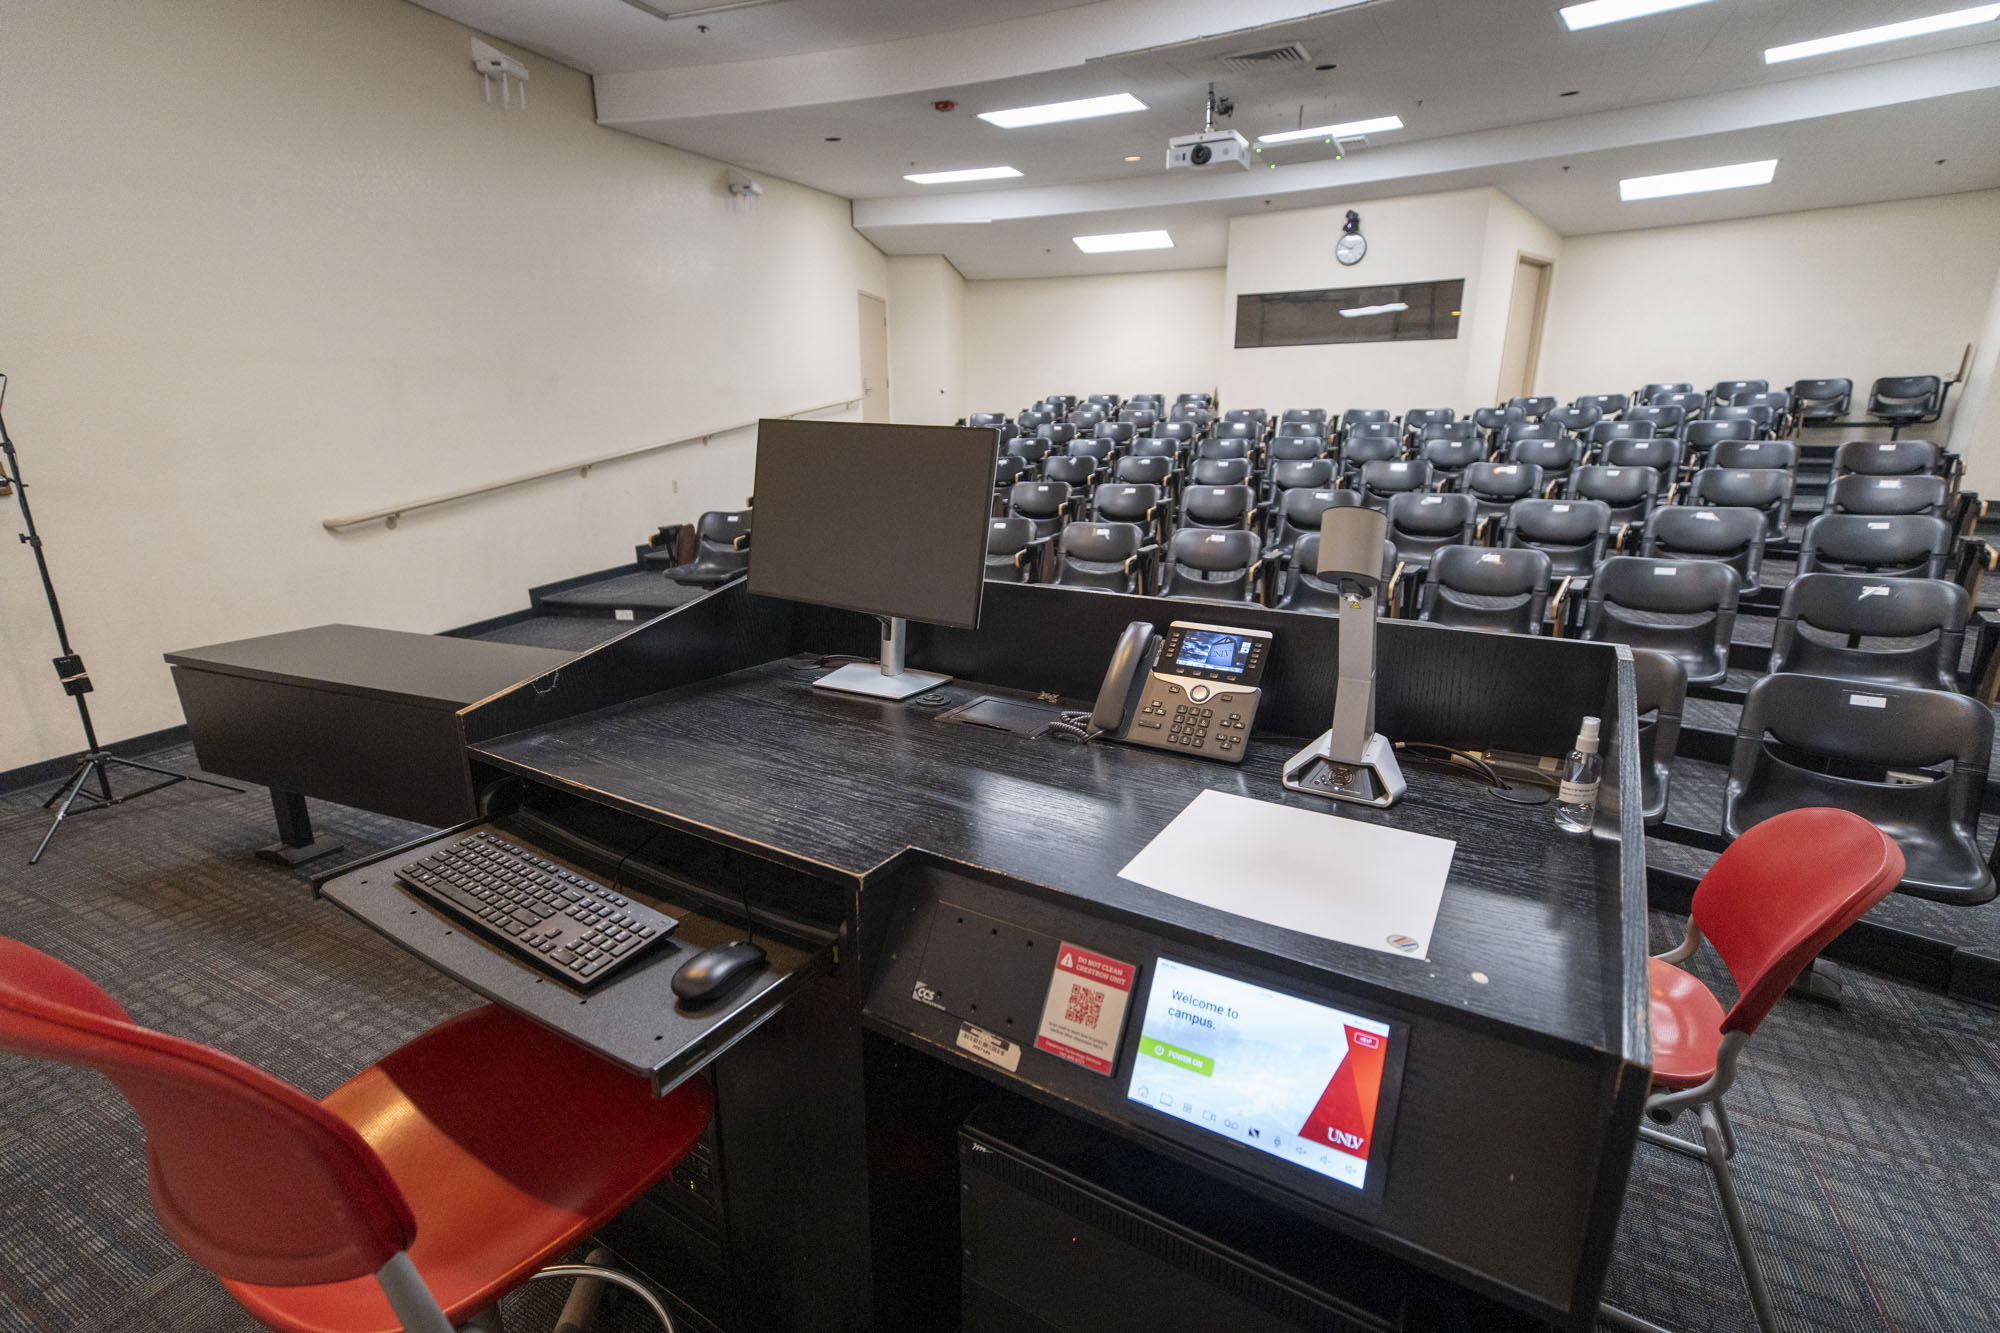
(926, 340)
(275, 260)
(1511, 232)
(1871, 290)
(1469, 234)
(1122, 333)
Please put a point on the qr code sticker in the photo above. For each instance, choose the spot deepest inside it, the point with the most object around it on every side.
(1085, 1006)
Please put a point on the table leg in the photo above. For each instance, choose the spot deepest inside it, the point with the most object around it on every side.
(296, 844)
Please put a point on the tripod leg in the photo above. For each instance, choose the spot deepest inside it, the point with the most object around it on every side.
(68, 788)
(75, 787)
(171, 773)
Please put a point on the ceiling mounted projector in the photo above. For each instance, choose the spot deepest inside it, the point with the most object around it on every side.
(1213, 148)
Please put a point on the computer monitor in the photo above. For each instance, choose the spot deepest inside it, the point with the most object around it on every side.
(886, 520)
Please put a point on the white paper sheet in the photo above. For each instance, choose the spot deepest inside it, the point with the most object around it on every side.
(1339, 879)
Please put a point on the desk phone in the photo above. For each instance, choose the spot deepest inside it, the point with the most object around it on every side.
(1193, 690)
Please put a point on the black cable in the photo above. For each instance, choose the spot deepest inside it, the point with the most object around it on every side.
(1074, 727)
(618, 874)
(1445, 756)
(819, 664)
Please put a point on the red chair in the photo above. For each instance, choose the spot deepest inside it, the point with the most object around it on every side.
(412, 1198)
(1777, 896)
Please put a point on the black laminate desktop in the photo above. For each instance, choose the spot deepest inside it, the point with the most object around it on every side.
(697, 746)
(844, 787)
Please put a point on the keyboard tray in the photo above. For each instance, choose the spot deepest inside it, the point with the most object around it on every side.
(633, 1019)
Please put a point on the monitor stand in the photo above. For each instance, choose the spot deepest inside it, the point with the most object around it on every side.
(888, 681)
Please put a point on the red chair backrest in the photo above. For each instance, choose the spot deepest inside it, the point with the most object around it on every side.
(255, 1180)
(1782, 891)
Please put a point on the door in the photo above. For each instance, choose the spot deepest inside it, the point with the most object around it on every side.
(1525, 311)
(874, 358)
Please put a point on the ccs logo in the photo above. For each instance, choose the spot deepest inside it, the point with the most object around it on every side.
(923, 994)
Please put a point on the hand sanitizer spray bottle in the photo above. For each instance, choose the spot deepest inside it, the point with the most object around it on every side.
(1576, 800)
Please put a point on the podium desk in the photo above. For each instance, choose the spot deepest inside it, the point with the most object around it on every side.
(694, 757)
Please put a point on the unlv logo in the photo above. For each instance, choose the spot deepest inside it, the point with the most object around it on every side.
(1340, 1138)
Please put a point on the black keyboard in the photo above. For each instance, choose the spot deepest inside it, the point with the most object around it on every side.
(549, 917)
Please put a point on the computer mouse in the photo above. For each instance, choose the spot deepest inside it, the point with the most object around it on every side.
(713, 973)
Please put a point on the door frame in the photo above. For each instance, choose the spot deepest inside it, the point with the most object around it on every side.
(888, 354)
(1532, 362)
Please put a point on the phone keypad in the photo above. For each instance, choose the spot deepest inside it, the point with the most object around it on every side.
(1213, 721)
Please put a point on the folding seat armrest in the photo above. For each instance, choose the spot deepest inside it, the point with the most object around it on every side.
(742, 541)
(1146, 561)
(1618, 542)
(1559, 605)
(1396, 592)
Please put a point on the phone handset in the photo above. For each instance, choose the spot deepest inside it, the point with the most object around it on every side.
(1123, 680)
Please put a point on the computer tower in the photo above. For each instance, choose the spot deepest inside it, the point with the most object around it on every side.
(1052, 1249)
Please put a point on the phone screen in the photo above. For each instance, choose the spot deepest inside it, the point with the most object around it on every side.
(1210, 650)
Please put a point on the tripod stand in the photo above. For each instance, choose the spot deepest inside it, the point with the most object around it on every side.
(91, 783)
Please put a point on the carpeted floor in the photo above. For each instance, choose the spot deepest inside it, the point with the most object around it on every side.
(1870, 1166)
(160, 902)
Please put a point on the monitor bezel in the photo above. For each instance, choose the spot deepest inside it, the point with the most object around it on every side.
(1365, 1203)
(979, 575)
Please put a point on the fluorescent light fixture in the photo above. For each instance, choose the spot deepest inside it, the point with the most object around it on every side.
(1696, 182)
(1357, 311)
(1352, 129)
(1888, 32)
(968, 174)
(1124, 240)
(1117, 104)
(1597, 13)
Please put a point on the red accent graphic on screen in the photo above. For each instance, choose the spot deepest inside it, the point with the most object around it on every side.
(1345, 1115)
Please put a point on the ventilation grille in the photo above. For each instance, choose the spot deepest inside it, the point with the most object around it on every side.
(1277, 57)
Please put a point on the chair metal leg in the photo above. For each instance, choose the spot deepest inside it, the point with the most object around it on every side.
(616, 1278)
(1666, 1140)
(416, 1309)
(486, 1321)
(1728, 1131)
(1739, 1231)
(581, 1307)
(1618, 1318)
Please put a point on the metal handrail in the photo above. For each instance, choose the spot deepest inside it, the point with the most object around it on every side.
(390, 514)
